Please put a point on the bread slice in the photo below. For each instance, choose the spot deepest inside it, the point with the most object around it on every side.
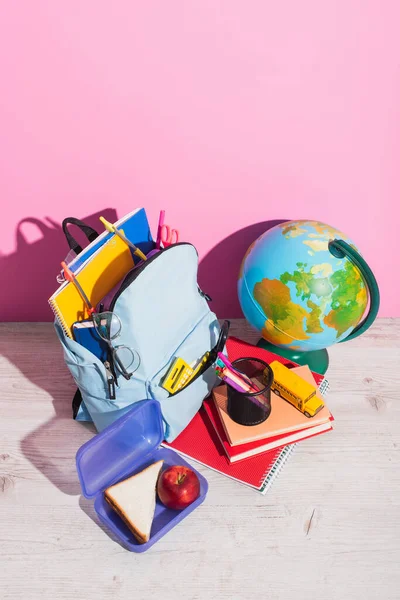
(134, 499)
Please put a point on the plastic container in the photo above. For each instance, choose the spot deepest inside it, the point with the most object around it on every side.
(251, 408)
(122, 449)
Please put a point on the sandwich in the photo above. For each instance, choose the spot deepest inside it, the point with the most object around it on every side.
(134, 500)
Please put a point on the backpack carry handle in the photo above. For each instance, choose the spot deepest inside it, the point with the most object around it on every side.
(90, 233)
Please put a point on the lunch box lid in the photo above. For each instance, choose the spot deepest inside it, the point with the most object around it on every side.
(119, 448)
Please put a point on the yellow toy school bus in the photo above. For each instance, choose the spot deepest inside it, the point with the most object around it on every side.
(295, 390)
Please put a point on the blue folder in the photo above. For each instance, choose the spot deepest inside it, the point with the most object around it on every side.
(88, 337)
(137, 230)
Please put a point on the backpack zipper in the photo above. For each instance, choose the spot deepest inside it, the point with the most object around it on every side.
(110, 380)
(129, 278)
(136, 271)
(203, 294)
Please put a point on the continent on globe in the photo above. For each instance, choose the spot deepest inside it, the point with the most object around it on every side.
(284, 318)
(349, 299)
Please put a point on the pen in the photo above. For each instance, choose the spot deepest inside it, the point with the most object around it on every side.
(112, 229)
(69, 276)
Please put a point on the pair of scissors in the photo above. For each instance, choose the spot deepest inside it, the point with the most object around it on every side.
(165, 235)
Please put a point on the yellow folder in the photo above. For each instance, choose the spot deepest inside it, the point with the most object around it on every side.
(97, 276)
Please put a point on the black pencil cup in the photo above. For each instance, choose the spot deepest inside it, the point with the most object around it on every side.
(251, 408)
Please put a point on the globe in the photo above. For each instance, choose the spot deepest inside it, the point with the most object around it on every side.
(296, 292)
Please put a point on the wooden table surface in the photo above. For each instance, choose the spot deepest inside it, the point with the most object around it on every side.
(328, 528)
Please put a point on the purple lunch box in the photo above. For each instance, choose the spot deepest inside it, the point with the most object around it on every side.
(123, 449)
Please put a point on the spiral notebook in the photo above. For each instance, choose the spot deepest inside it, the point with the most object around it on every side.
(199, 442)
(136, 228)
(97, 276)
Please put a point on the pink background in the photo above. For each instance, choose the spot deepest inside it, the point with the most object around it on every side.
(227, 114)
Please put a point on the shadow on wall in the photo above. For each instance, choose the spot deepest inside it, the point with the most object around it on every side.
(29, 274)
(35, 351)
(219, 269)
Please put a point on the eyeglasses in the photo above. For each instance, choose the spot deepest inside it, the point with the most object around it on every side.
(108, 326)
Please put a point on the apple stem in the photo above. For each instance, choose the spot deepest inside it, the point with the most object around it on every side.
(181, 477)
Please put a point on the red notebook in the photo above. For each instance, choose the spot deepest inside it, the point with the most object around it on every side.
(236, 453)
(200, 442)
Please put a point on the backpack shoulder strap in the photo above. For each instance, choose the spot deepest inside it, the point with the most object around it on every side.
(76, 402)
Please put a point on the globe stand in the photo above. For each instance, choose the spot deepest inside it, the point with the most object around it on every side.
(317, 360)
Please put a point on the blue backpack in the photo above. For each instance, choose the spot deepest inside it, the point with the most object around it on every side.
(164, 315)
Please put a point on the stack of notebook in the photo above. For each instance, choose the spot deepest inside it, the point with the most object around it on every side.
(285, 425)
(251, 455)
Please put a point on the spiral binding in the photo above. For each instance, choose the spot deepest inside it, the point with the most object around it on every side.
(276, 469)
(60, 318)
(324, 386)
(269, 477)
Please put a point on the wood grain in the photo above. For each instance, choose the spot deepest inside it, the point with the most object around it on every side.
(329, 527)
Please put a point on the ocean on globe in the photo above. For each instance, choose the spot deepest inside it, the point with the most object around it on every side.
(295, 292)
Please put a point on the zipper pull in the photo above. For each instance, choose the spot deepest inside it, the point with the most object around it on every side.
(204, 295)
(110, 380)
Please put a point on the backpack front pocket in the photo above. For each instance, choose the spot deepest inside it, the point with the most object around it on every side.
(179, 409)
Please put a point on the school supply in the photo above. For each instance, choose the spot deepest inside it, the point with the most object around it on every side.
(165, 235)
(108, 326)
(135, 226)
(197, 368)
(252, 407)
(163, 315)
(112, 229)
(284, 419)
(181, 374)
(209, 358)
(134, 500)
(237, 348)
(199, 442)
(85, 333)
(70, 277)
(232, 377)
(244, 451)
(177, 376)
(97, 275)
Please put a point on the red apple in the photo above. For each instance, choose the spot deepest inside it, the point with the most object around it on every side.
(177, 487)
